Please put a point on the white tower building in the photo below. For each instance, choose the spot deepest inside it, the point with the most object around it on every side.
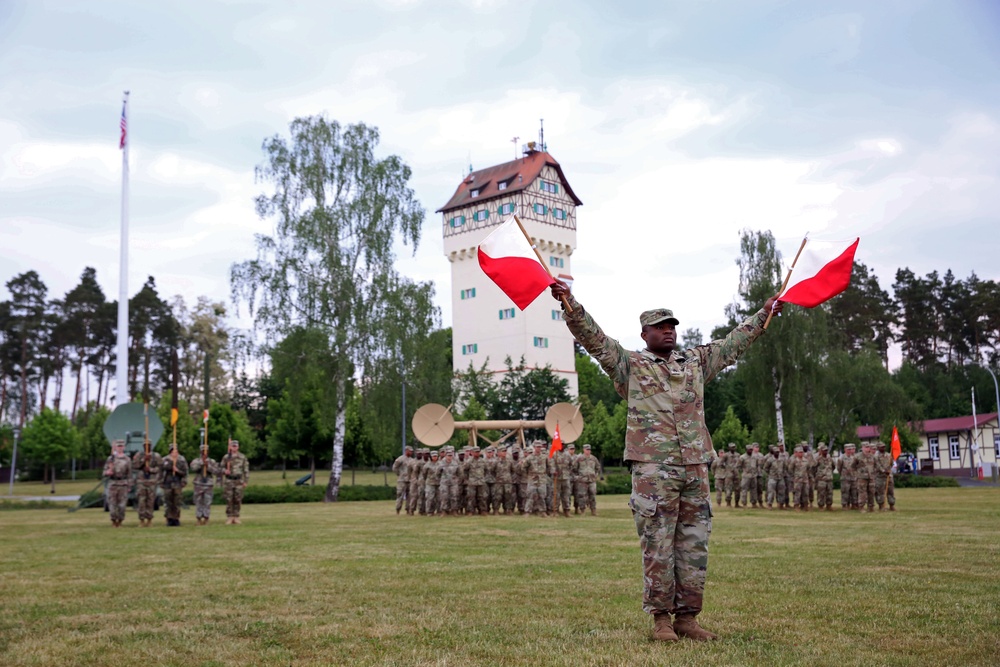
(487, 327)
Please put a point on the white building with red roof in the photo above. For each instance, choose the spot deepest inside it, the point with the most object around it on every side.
(487, 327)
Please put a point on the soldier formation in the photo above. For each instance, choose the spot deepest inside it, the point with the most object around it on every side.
(804, 478)
(496, 480)
(147, 471)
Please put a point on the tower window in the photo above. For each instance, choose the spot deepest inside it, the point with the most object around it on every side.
(556, 314)
(557, 262)
(559, 213)
(507, 314)
(546, 186)
(471, 348)
(540, 209)
(505, 209)
(469, 293)
(475, 193)
(457, 221)
(502, 185)
(479, 216)
(541, 342)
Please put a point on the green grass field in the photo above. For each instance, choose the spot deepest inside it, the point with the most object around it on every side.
(354, 584)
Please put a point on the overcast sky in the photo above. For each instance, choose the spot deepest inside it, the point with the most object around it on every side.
(676, 123)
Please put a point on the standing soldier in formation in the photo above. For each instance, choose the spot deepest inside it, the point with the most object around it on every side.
(799, 470)
(175, 470)
(747, 467)
(477, 502)
(536, 469)
(401, 466)
(415, 492)
(235, 476)
(774, 465)
(730, 475)
(463, 459)
(448, 484)
(788, 473)
(717, 468)
(863, 466)
(147, 467)
(204, 468)
(431, 473)
(492, 500)
(572, 478)
(118, 472)
(563, 461)
(759, 459)
(848, 490)
(504, 486)
(587, 470)
(885, 488)
(822, 470)
(810, 457)
(520, 480)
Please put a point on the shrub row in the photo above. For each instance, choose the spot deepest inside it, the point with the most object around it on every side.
(299, 494)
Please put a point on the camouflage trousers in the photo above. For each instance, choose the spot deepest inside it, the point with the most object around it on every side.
(812, 487)
(848, 493)
(562, 493)
(866, 493)
(145, 500)
(761, 488)
(413, 495)
(776, 491)
(673, 517)
(748, 490)
(476, 499)
(492, 505)
(233, 491)
(789, 486)
(824, 493)
(402, 488)
(172, 501)
(521, 488)
(503, 495)
(430, 499)
(203, 494)
(719, 484)
(447, 497)
(731, 486)
(117, 499)
(535, 501)
(885, 489)
(587, 493)
(800, 493)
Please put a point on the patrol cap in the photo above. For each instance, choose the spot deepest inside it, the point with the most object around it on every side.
(850, 445)
(586, 446)
(822, 447)
(474, 448)
(881, 445)
(571, 446)
(798, 448)
(234, 442)
(434, 452)
(656, 316)
(732, 445)
(116, 443)
(538, 443)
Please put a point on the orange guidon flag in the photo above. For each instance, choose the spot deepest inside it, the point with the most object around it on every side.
(896, 448)
(556, 443)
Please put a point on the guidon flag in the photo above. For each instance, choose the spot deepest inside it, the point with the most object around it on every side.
(821, 272)
(508, 258)
(556, 442)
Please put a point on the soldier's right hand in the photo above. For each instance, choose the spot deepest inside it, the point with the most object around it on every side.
(559, 289)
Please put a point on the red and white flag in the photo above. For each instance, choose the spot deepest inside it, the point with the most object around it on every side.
(895, 446)
(124, 128)
(823, 271)
(556, 442)
(507, 257)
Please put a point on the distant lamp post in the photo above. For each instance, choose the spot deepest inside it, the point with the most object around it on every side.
(13, 458)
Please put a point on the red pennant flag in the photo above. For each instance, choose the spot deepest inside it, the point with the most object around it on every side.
(556, 443)
(506, 256)
(896, 448)
(823, 271)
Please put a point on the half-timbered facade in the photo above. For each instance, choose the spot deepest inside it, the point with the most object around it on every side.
(487, 327)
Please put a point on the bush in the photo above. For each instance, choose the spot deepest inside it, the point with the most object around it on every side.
(615, 484)
(923, 482)
(258, 495)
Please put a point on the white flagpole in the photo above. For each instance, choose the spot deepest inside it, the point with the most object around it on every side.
(121, 370)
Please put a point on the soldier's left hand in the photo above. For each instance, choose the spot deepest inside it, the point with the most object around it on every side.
(773, 302)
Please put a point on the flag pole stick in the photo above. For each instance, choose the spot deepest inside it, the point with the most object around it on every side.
(787, 278)
(121, 372)
(540, 260)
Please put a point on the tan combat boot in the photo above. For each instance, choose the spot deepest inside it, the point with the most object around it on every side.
(236, 520)
(663, 631)
(687, 626)
(593, 511)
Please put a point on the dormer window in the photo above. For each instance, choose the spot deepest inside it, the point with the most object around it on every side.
(502, 185)
(475, 193)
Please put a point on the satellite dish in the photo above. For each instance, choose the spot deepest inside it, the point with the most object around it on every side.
(569, 419)
(433, 424)
(128, 418)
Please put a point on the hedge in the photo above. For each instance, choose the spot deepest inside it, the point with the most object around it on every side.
(299, 494)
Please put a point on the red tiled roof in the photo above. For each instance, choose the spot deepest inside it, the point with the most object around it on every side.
(518, 175)
(935, 425)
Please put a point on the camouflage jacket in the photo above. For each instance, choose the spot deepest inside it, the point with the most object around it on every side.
(536, 468)
(730, 465)
(174, 472)
(823, 468)
(883, 463)
(798, 468)
(431, 473)
(448, 472)
(491, 470)
(118, 470)
(863, 466)
(517, 470)
(417, 470)
(504, 471)
(475, 472)
(206, 478)
(748, 465)
(759, 461)
(586, 468)
(147, 476)
(775, 466)
(666, 397)
(235, 468)
(564, 464)
(844, 467)
(401, 466)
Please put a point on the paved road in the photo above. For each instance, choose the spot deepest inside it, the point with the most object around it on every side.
(55, 499)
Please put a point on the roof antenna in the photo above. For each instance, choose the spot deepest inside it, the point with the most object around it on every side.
(514, 141)
(541, 134)
(470, 162)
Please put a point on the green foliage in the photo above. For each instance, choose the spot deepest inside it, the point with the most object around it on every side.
(254, 495)
(6, 443)
(731, 430)
(50, 438)
(909, 440)
(924, 482)
(94, 444)
(595, 384)
(188, 428)
(224, 423)
(599, 431)
(615, 485)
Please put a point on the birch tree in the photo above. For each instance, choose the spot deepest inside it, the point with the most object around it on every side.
(337, 211)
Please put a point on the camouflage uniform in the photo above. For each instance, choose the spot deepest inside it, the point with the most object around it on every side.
(798, 466)
(731, 475)
(848, 490)
(789, 500)
(432, 480)
(586, 470)
(402, 467)
(667, 443)
(175, 470)
(573, 456)
(748, 480)
(885, 488)
(759, 462)
(863, 466)
(415, 493)
(774, 466)
(564, 470)
(235, 477)
(504, 486)
(717, 466)
(118, 472)
(492, 496)
(536, 470)
(810, 456)
(147, 479)
(448, 485)
(205, 472)
(822, 470)
(476, 500)
(520, 480)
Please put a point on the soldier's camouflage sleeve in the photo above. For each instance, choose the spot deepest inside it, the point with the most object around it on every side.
(719, 354)
(608, 352)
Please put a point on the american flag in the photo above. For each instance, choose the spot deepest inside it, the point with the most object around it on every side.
(121, 143)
